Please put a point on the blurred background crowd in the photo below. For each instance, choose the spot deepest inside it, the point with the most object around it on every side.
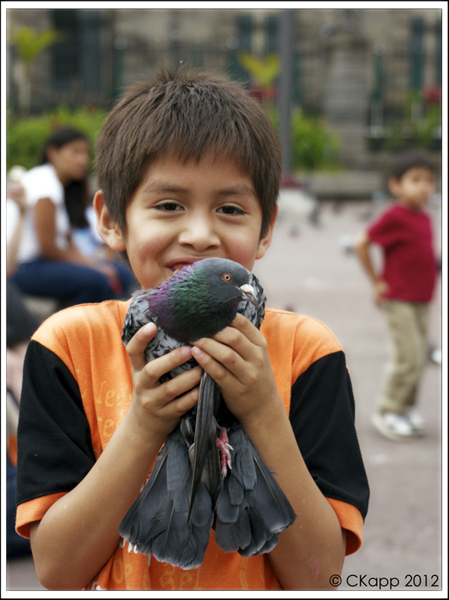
(347, 89)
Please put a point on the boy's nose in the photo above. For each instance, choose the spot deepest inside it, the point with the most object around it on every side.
(200, 235)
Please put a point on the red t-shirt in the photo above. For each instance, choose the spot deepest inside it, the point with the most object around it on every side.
(405, 236)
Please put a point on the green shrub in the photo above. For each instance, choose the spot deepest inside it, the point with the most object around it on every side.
(25, 138)
(418, 127)
(314, 148)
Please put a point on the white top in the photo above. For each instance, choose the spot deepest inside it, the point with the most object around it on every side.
(42, 182)
(12, 218)
(88, 240)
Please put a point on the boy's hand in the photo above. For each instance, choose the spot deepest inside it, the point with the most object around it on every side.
(237, 359)
(380, 289)
(158, 407)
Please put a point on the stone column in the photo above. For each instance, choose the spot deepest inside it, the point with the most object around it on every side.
(346, 103)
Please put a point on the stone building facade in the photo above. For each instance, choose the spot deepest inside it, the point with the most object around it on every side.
(352, 66)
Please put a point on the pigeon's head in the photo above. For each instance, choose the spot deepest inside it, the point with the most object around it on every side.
(201, 299)
(229, 281)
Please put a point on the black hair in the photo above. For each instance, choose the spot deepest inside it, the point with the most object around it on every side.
(409, 160)
(59, 138)
(75, 192)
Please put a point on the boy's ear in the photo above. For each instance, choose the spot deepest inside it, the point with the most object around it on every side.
(107, 228)
(393, 186)
(265, 240)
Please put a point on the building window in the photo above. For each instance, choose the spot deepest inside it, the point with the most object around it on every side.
(76, 59)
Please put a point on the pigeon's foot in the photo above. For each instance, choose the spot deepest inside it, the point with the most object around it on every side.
(224, 448)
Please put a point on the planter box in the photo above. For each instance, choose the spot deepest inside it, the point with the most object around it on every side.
(347, 185)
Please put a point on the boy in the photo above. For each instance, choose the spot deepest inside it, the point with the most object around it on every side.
(403, 291)
(189, 167)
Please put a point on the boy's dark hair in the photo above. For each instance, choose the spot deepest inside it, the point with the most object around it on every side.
(409, 160)
(186, 114)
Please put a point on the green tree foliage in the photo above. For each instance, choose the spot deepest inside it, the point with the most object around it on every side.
(30, 44)
(25, 138)
(264, 71)
(314, 148)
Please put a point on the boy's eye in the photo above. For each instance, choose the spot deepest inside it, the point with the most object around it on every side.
(168, 206)
(231, 210)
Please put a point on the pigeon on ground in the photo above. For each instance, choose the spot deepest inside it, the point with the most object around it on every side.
(208, 473)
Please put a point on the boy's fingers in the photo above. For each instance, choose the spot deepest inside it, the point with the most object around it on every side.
(248, 329)
(245, 327)
(179, 385)
(137, 344)
(241, 337)
(154, 370)
(222, 363)
(185, 402)
(210, 356)
(182, 385)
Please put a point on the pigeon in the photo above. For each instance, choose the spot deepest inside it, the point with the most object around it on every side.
(208, 473)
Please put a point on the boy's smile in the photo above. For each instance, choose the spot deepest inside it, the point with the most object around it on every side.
(185, 211)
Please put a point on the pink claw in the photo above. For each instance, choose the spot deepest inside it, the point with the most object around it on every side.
(224, 448)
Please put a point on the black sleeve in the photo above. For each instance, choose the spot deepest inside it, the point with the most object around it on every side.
(20, 323)
(322, 416)
(54, 448)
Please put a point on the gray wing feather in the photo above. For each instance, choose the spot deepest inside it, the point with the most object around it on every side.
(157, 521)
(250, 488)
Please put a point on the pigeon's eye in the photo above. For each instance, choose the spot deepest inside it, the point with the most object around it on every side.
(226, 277)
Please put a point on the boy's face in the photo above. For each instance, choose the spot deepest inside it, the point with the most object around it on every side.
(414, 188)
(183, 212)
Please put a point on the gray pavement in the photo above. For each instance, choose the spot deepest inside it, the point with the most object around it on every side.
(310, 273)
(307, 270)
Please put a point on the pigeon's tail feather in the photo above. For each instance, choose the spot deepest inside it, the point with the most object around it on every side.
(269, 500)
(175, 542)
(251, 500)
(178, 471)
(204, 446)
(266, 496)
(232, 536)
(143, 510)
(262, 540)
(157, 521)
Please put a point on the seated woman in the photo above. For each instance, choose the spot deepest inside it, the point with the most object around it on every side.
(50, 264)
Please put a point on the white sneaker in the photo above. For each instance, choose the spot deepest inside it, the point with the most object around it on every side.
(435, 356)
(416, 420)
(393, 426)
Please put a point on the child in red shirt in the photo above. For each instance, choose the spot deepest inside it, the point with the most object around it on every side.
(403, 290)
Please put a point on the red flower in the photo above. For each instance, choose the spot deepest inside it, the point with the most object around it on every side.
(262, 94)
(432, 94)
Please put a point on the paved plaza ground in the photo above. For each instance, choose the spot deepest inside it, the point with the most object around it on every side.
(308, 270)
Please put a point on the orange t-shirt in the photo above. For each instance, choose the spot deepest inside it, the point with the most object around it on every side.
(86, 339)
